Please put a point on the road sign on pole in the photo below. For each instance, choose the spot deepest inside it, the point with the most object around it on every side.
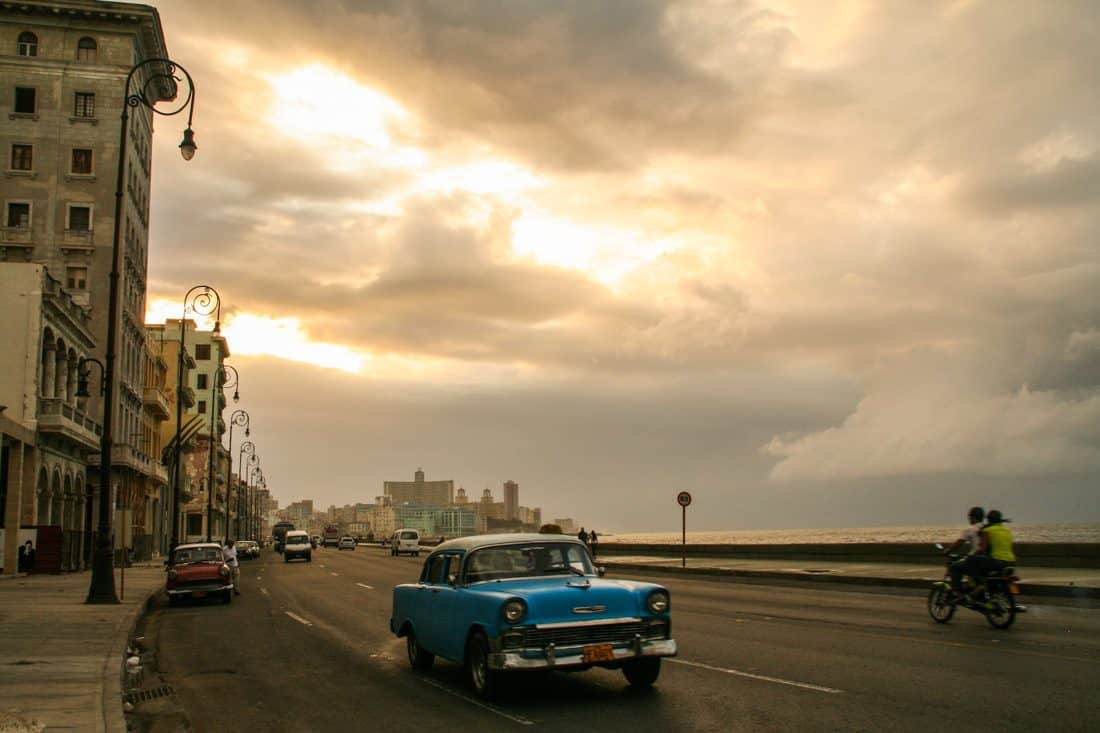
(684, 500)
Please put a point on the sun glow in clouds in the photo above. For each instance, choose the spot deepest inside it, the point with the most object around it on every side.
(314, 101)
(253, 335)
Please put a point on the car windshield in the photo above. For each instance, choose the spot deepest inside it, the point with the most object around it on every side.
(197, 554)
(527, 560)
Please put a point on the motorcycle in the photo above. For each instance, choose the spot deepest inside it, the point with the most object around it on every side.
(993, 596)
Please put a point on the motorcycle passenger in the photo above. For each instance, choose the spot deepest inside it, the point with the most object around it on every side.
(994, 550)
(971, 537)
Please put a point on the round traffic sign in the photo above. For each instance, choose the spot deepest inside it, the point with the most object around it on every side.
(683, 498)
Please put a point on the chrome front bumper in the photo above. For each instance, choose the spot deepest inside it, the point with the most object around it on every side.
(573, 656)
(205, 588)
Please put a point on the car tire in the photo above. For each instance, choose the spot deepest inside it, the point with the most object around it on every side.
(227, 597)
(420, 659)
(642, 672)
(173, 600)
(485, 681)
(309, 558)
(286, 559)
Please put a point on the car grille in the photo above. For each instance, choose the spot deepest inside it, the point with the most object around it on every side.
(595, 634)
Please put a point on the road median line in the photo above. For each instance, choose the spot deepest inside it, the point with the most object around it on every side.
(760, 677)
(364, 585)
(298, 618)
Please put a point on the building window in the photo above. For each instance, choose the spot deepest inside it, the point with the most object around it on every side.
(26, 100)
(80, 218)
(202, 407)
(19, 215)
(76, 278)
(86, 49)
(22, 157)
(85, 105)
(28, 44)
(200, 381)
(82, 161)
(202, 352)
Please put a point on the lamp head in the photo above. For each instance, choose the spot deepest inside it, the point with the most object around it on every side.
(82, 385)
(237, 398)
(188, 146)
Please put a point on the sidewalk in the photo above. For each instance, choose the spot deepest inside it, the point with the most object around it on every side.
(1035, 581)
(62, 659)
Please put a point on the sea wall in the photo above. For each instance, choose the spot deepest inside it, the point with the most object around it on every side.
(1045, 554)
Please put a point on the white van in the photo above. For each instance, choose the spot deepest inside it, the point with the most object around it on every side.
(405, 540)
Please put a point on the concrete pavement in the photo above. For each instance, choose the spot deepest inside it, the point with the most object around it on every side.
(63, 660)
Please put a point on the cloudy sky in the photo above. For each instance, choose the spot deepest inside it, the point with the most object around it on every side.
(820, 264)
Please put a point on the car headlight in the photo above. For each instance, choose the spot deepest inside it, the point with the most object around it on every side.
(224, 571)
(172, 575)
(513, 611)
(657, 602)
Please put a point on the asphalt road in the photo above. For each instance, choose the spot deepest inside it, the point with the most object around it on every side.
(307, 647)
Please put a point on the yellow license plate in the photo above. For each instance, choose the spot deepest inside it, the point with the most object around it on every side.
(1013, 588)
(598, 653)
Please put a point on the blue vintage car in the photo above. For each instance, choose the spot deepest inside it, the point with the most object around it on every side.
(498, 603)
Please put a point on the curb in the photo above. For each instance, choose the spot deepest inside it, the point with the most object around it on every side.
(763, 576)
(111, 698)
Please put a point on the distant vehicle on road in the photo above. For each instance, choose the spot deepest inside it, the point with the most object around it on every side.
(347, 542)
(247, 549)
(332, 536)
(405, 540)
(530, 601)
(278, 532)
(297, 546)
(197, 570)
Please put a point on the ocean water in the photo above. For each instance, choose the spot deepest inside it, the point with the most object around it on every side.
(1083, 532)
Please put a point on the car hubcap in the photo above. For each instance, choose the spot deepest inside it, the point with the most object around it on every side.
(479, 669)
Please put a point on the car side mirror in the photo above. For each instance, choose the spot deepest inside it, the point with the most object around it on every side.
(601, 571)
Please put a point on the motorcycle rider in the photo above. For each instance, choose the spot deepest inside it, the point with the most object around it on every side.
(994, 548)
(971, 537)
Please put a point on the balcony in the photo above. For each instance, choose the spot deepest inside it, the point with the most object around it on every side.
(156, 403)
(16, 235)
(126, 456)
(60, 418)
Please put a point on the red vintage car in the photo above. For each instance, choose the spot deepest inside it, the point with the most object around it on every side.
(197, 571)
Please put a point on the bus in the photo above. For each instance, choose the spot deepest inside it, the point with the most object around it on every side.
(278, 533)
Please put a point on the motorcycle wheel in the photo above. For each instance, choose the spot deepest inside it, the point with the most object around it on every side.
(1002, 609)
(939, 608)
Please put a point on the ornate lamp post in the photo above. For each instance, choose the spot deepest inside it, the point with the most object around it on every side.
(220, 381)
(162, 76)
(201, 300)
(239, 417)
(247, 448)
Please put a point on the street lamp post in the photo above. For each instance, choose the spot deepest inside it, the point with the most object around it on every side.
(220, 381)
(161, 77)
(239, 417)
(247, 448)
(202, 300)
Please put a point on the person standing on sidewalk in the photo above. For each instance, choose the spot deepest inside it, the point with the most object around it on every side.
(229, 554)
(593, 540)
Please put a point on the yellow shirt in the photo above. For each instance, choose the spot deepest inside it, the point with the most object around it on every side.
(1000, 542)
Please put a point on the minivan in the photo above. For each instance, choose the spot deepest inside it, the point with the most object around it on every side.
(405, 540)
(296, 544)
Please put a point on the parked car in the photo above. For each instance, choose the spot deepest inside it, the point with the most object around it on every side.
(405, 540)
(297, 545)
(526, 602)
(347, 542)
(197, 570)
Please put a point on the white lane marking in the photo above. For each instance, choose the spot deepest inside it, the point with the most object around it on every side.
(761, 677)
(483, 706)
(298, 618)
(335, 575)
(264, 591)
(364, 585)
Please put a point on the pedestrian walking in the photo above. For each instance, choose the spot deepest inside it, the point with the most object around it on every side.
(25, 561)
(593, 540)
(582, 536)
(229, 554)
